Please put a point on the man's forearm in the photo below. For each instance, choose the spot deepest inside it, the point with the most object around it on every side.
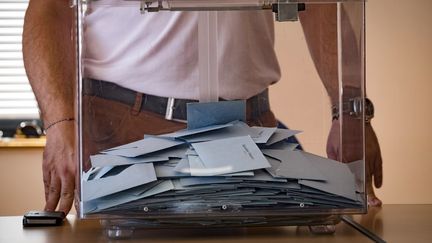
(320, 26)
(49, 57)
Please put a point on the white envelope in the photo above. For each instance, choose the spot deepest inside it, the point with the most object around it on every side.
(144, 146)
(294, 165)
(225, 156)
(132, 176)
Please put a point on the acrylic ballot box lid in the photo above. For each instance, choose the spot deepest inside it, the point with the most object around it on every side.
(217, 170)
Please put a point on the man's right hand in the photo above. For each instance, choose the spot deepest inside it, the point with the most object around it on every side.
(59, 167)
(49, 49)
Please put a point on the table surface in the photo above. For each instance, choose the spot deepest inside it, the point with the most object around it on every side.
(394, 223)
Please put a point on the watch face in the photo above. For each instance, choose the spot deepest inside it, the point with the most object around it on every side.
(369, 109)
(355, 108)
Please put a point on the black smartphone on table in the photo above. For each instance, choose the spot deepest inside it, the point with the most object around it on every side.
(43, 218)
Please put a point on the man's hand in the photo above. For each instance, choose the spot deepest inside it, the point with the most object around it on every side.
(352, 151)
(59, 167)
(374, 170)
(49, 49)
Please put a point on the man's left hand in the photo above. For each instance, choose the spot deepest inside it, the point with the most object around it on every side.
(353, 151)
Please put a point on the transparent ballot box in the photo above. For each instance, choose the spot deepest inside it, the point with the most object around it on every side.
(177, 127)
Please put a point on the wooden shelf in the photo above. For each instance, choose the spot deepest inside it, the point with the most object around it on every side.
(22, 142)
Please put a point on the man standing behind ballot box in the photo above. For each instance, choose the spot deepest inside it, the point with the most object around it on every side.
(134, 63)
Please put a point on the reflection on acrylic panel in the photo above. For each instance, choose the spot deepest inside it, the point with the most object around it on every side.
(212, 166)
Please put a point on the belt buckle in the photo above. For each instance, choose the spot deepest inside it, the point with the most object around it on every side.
(170, 111)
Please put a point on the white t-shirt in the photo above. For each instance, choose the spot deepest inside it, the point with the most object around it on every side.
(157, 53)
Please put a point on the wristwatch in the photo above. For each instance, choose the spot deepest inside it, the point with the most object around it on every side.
(354, 108)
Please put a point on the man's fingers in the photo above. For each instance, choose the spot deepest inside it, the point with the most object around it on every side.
(333, 142)
(67, 193)
(47, 182)
(53, 193)
(368, 182)
(331, 153)
(378, 170)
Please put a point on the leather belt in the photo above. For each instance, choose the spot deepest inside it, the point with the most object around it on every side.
(170, 108)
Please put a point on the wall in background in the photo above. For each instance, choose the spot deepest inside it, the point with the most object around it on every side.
(21, 187)
(399, 82)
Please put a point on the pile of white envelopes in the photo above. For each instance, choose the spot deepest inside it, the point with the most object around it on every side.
(220, 167)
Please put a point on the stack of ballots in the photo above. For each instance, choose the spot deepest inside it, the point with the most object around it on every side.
(215, 163)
